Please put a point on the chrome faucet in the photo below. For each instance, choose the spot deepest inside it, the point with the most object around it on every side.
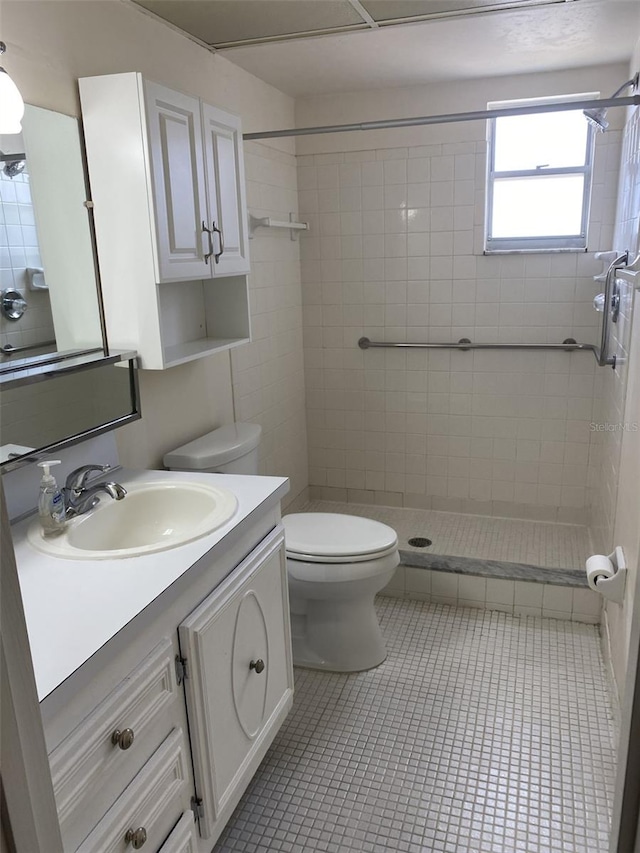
(80, 498)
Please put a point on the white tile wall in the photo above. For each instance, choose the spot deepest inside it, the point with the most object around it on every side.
(267, 374)
(395, 253)
(611, 387)
(19, 250)
(614, 492)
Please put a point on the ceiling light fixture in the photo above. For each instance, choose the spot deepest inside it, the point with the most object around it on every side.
(11, 103)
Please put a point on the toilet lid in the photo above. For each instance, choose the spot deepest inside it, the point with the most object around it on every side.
(333, 536)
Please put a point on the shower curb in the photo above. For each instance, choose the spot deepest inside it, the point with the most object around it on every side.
(493, 569)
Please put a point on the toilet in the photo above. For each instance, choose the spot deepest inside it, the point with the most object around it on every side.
(336, 563)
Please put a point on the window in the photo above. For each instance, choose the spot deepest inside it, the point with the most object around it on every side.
(539, 178)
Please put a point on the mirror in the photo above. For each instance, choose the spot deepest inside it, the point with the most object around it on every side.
(48, 290)
(80, 401)
(50, 312)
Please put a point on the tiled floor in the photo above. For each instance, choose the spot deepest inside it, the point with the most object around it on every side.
(476, 735)
(541, 543)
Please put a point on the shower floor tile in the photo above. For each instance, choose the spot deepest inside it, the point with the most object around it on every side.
(539, 543)
(475, 736)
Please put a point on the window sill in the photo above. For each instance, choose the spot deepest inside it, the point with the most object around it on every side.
(533, 251)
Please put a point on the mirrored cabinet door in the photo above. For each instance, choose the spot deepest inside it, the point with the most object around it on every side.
(49, 297)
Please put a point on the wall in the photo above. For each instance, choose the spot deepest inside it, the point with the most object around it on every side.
(395, 253)
(268, 375)
(609, 409)
(616, 458)
(51, 44)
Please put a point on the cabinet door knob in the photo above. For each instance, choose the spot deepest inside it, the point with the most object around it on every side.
(258, 665)
(123, 738)
(136, 837)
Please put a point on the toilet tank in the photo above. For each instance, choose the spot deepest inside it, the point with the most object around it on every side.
(231, 449)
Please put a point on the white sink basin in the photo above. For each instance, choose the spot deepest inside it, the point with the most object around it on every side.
(152, 517)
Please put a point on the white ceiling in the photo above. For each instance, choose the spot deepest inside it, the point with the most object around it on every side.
(461, 39)
(520, 41)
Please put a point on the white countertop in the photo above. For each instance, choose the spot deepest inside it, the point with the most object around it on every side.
(73, 607)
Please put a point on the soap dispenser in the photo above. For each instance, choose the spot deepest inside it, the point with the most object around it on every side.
(51, 510)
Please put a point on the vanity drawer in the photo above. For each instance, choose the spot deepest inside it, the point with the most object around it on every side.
(150, 806)
(183, 838)
(91, 767)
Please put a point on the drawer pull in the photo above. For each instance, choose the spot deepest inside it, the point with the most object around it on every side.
(258, 665)
(136, 837)
(123, 738)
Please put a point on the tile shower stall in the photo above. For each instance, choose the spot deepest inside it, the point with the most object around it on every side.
(395, 253)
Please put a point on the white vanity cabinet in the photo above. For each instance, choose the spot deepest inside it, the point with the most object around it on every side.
(168, 192)
(159, 758)
(239, 681)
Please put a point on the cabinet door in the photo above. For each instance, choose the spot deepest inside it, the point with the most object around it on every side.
(226, 191)
(237, 644)
(177, 164)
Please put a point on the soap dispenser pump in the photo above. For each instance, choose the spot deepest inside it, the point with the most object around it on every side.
(51, 510)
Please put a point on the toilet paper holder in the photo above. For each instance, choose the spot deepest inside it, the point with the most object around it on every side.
(611, 583)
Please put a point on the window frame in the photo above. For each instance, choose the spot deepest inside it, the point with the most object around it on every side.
(559, 243)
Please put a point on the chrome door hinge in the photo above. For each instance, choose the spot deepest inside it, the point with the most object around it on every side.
(182, 672)
(88, 204)
(197, 807)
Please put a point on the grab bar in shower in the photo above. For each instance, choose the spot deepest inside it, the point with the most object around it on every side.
(611, 306)
(568, 345)
(9, 349)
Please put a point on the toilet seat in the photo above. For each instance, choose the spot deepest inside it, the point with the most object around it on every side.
(326, 537)
(320, 573)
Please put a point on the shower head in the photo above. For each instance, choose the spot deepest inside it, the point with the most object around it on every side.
(597, 117)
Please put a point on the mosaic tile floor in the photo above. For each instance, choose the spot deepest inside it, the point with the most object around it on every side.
(540, 543)
(474, 736)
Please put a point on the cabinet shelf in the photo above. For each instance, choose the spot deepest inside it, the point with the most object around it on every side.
(199, 318)
(181, 353)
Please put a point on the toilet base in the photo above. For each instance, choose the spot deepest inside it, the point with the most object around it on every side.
(338, 635)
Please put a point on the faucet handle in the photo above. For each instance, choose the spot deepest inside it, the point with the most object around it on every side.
(77, 479)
